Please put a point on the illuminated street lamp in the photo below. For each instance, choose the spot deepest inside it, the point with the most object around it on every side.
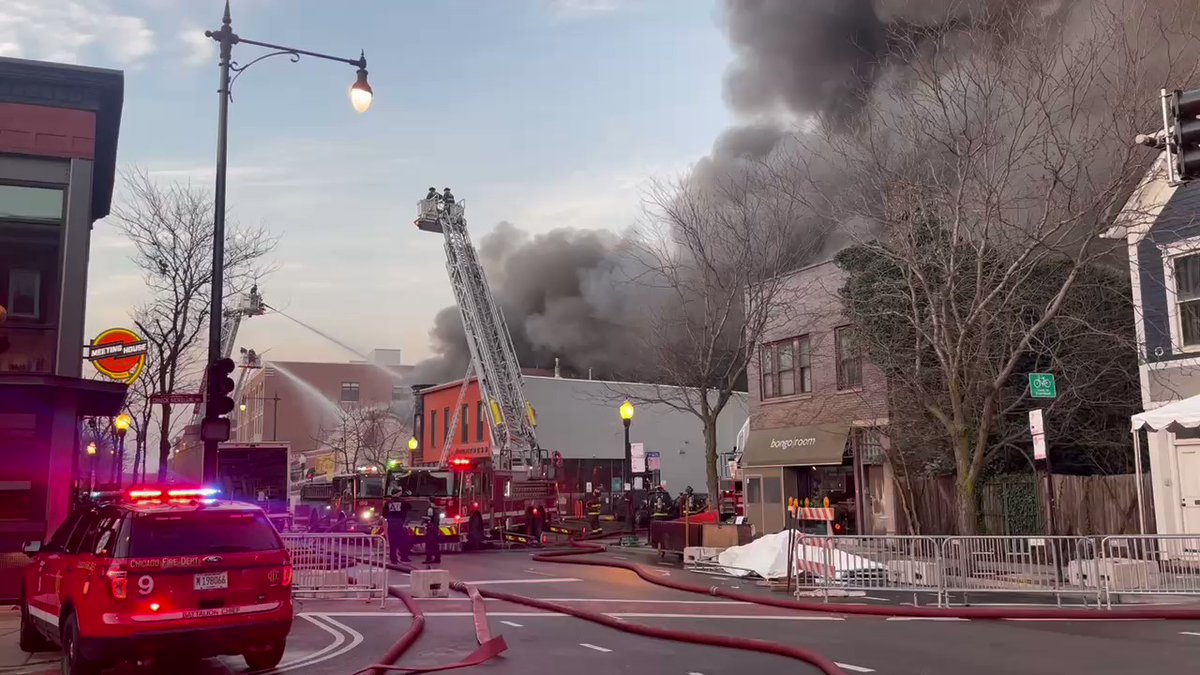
(91, 453)
(626, 411)
(121, 425)
(360, 98)
(413, 444)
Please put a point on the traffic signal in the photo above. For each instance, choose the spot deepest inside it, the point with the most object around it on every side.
(1185, 114)
(219, 402)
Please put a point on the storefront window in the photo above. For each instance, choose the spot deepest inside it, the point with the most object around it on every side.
(19, 202)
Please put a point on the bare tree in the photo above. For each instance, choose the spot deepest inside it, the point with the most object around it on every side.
(715, 254)
(990, 178)
(171, 229)
(366, 436)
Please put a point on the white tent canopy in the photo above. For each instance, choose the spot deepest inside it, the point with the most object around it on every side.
(1177, 415)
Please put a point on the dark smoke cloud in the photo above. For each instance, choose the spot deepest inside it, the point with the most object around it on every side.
(566, 293)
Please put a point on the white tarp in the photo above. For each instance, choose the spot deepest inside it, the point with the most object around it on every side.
(1183, 414)
(767, 557)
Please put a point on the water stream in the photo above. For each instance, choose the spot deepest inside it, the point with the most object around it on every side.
(327, 407)
(366, 359)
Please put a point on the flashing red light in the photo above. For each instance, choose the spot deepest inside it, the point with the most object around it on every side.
(119, 584)
(475, 505)
(145, 494)
(191, 492)
(287, 575)
(154, 607)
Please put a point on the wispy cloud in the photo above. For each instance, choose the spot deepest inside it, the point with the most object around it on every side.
(69, 31)
(198, 49)
(584, 9)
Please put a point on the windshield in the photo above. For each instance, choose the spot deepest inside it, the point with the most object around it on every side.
(422, 483)
(197, 533)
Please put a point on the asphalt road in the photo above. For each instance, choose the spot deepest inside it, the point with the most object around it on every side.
(338, 637)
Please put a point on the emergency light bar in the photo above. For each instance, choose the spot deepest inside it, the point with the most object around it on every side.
(460, 461)
(145, 494)
(152, 494)
(193, 492)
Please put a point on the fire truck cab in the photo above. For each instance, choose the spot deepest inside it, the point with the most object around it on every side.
(495, 503)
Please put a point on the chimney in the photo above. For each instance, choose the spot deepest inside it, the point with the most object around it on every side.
(557, 372)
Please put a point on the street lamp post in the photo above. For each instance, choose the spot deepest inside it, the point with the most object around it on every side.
(91, 452)
(121, 426)
(626, 411)
(360, 97)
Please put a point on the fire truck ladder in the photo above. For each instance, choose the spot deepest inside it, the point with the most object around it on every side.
(252, 305)
(510, 417)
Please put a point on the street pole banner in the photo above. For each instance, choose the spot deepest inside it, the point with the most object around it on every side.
(637, 455)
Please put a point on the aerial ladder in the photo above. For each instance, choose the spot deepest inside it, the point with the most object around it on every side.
(511, 491)
(511, 418)
(231, 321)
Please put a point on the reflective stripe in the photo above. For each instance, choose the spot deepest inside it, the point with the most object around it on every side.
(43, 615)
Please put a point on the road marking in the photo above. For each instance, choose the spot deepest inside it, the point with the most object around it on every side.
(599, 649)
(339, 639)
(650, 602)
(485, 582)
(618, 615)
(514, 624)
(851, 666)
(925, 618)
(1189, 633)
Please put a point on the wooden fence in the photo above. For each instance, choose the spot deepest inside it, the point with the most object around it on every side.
(1013, 505)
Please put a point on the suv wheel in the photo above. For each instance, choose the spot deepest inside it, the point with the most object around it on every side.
(265, 658)
(30, 638)
(73, 660)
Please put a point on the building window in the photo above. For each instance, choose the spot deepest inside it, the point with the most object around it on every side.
(1187, 298)
(446, 424)
(479, 422)
(24, 293)
(849, 358)
(350, 392)
(867, 443)
(786, 367)
(433, 429)
(30, 203)
(398, 392)
(466, 429)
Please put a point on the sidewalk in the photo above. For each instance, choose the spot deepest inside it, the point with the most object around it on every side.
(13, 661)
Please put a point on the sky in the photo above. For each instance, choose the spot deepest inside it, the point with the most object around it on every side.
(544, 113)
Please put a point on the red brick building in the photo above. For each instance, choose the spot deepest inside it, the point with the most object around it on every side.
(58, 147)
(818, 414)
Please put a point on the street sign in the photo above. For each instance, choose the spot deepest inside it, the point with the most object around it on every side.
(637, 455)
(1041, 385)
(653, 461)
(1039, 446)
(176, 399)
(1036, 425)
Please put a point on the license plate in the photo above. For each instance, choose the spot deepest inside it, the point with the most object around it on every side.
(213, 581)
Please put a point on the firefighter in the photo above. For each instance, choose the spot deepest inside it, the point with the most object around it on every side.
(433, 526)
(399, 544)
(660, 504)
(594, 504)
(688, 503)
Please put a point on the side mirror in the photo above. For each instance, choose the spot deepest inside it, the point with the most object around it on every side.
(32, 548)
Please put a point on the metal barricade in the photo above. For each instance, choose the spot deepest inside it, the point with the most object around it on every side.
(868, 563)
(340, 565)
(1149, 565)
(1020, 565)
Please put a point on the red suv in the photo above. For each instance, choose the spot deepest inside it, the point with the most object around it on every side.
(154, 573)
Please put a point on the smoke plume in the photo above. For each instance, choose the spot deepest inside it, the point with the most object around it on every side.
(806, 72)
(567, 294)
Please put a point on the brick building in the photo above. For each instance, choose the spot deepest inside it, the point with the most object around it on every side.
(302, 403)
(818, 414)
(58, 149)
(578, 418)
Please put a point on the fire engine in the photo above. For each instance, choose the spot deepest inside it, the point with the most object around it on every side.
(509, 492)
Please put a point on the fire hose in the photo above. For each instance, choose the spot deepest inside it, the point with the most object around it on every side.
(489, 647)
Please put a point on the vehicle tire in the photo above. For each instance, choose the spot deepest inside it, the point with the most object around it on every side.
(30, 638)
(266, 657)
(73, 660)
